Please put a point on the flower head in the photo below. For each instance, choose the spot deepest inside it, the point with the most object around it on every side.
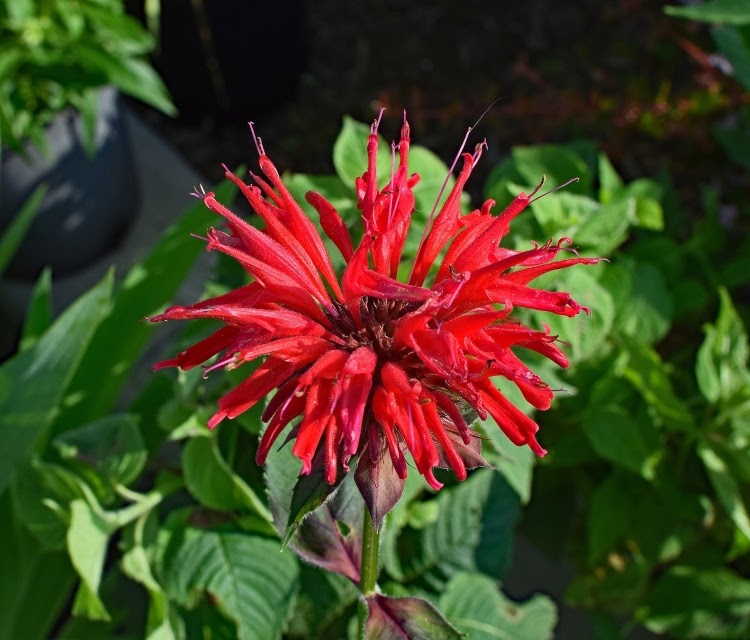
(368, 365)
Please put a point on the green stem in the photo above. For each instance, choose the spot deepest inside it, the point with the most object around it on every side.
(369, 569)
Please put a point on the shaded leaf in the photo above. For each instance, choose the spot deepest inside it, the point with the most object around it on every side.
(471, 531)
(647, 372)
(213, 482)
(623, 440)
(692, 602)
(724, 483)
(42, 494)
(34, 583)
(721, 366)
(250, 580)
(477, 607)
(32, 383)
(112, 447)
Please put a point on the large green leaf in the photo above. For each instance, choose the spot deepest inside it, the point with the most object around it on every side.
(625, 440)
(120, 339)
(213, 482)
(34, 582)
(32, 384)
(249, 579)
(476, 606)
(470, 528)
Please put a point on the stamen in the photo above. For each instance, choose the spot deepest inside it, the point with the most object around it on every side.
(198, 192)
(258, 142)
(376, 125)
(546, 193)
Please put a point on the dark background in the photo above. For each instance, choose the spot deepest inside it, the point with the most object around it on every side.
(641, 84)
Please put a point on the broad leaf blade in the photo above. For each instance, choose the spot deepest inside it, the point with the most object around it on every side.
(33, 383)
(475, 605)
(251, 581)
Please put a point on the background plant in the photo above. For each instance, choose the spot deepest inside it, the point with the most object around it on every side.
(56, 54)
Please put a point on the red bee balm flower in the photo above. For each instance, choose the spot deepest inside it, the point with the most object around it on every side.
(371, 366)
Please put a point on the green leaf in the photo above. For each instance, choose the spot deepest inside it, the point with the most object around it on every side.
(111, 447)
(610, 514)
(556, 162)
(734, 44)
(516, 464)
(125, 34)
(563, 213)
(324, 600)
(735, 140)
(39, 315)
(42, 494)
(647, 372)
(118, 342)
(406, 618)
(606, 228)
(34, 582)
(649, 214)
(726, 11)
(13, 234)
(699, 603)
(585, 334)
(626, 442)
(350, 153)
(250, 581)
(88, 537)
(724, 483)
(610, 183)
(646, 312)
(721, 366)
(472, 531)
(135, 565)
(213, 482)
(132, 76)
(477, 607)
(32, 383)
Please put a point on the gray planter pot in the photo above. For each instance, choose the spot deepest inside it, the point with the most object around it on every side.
(91, 200)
